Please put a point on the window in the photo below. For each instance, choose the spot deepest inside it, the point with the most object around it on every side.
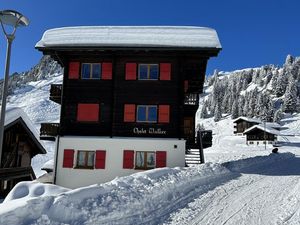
(251, 142)
(145, 160)
(91, 71)
(148, 72)
(147, 113)
(85, 159)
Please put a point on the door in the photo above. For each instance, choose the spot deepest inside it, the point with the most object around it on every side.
(189, 129)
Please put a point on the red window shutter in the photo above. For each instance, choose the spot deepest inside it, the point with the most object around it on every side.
(68, 158)
(161, 159)
(100, 159)
(128, 159)
(165, 71)
(107, 71)
(74, 70)
(129, 113)
(164, 114)
(88, 112)
(130, 71)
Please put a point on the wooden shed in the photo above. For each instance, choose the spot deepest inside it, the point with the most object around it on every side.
(20, 145)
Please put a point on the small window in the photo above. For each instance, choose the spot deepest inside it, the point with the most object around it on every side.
(85, 159)
(91, 71)
(147, 113)
(251, 142)
(148, 72)
(145, 160)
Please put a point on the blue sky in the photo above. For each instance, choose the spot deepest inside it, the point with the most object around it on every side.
(252, 33)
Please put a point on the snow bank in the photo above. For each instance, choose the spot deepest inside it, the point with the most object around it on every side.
(142, 198)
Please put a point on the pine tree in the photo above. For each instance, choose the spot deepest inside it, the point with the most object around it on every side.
(217, 113)
(278, 116)
(290, 98)
(234, 110)
(204, 113)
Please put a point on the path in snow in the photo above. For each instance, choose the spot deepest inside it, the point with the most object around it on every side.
(266, 195)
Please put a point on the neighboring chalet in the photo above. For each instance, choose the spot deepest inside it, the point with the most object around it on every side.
(261, 135)
(20, 145)
(243, 123)
(128, 99)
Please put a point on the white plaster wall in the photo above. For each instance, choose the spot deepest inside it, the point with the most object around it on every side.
(73, 178)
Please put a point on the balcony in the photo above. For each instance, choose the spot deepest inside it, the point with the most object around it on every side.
(49, 131)
(191, 99)
(16, 173)
(194, 86)
(55, 93)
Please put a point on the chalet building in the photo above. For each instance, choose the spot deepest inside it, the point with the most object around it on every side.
(20, 145)
(128, 98)
(243, 123)
(261, 135)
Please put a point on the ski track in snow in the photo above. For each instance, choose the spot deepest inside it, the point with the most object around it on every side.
(267, 195)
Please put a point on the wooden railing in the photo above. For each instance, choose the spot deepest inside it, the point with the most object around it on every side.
(195, 86)
(16, 172)
(55, 93)
(191, 99)
(49, 131)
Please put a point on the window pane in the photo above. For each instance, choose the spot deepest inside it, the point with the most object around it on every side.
(143, 71)
(153, 72)
(86, 70)
(91, 158)
(96, 71)
(150, 160)
(81, 158)
(152, 113)
(139, 162)
(141, 113)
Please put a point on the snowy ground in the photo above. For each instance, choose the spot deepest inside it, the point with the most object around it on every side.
(238, 184)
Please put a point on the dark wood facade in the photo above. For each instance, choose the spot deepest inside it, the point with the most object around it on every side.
(242, 125)
(180, 93)
(260, 135)
(19, 147)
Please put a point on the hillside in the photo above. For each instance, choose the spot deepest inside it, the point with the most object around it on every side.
(268, 92)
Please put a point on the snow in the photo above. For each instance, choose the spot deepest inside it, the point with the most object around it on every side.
(14, 113)
(131, 36)
(49, 165)
(247, 119)
(263, 128)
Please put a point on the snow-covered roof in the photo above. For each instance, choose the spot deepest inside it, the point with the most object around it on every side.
(252, 120)
(49, 165)
(263, 128)
(13, 114)
(131, 36)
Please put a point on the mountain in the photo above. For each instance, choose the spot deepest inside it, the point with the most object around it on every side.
(30, 91)
(267, 92)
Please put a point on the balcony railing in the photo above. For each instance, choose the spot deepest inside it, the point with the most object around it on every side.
(195, 86)
(191, 99)
(16, 172)
(49, 131)
(55, 93)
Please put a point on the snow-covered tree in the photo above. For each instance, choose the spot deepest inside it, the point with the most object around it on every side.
(290, 97)
(217, 113)
(234, 110)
